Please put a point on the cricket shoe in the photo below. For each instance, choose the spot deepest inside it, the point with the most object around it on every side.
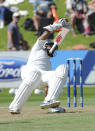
(57, 110)
(13, 112)
(49, 104)
(61, 23)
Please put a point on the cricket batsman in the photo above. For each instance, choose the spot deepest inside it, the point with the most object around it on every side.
(37, 72)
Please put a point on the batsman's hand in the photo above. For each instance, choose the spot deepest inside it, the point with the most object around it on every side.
(64, 22)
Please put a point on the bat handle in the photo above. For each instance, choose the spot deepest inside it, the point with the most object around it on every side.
(53, 47)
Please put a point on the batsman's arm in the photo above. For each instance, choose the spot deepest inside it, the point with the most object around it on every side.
(45, 35)
(54, 47)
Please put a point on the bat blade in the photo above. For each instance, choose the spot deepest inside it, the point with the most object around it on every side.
(59, 38)
(61, 35)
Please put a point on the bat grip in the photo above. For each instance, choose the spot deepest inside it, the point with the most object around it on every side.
(53, 47)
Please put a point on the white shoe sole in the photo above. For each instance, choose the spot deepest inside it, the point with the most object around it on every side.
(55, 104)
(14, 112)
(57, 110)
(44, 106)
(51, 105)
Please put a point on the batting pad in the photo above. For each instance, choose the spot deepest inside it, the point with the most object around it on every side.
(57, 83)
(25, 90)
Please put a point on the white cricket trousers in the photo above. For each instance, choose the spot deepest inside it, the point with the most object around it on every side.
(32, 79)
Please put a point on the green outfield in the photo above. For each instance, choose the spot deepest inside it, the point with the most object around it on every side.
(68, 43)
(33, 118)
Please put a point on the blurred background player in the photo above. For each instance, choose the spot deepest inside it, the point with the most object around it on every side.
(38, 72)
(77, 10)
(15, 39)
(43, 15)
(5, 14)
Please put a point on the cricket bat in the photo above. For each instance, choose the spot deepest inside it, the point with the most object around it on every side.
(59, 38)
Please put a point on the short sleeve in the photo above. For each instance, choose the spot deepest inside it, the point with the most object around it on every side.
(10, 28)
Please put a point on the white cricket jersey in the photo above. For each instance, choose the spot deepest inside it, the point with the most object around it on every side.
(38, 57)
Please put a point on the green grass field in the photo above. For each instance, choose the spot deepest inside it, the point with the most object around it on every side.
(32, 118)
(68, 43)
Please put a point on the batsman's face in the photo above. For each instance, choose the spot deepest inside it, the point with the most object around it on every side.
(49, 47)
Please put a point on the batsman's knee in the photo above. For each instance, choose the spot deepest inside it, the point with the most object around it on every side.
(61, 71)
(33, 78)
(24, 72)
